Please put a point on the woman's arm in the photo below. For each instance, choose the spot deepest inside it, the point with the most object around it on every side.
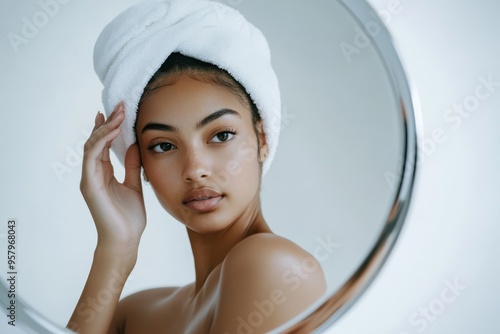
(98, 301)
(120, 218)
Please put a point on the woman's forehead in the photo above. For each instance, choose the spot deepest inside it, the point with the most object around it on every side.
(188, 100)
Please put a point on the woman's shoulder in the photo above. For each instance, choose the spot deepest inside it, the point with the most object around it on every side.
(272, 256)
(138, 306)
(269, 277)
(148, 295)
(268, 249)
(265, 242)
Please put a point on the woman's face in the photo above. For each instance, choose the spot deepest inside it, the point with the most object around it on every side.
(199, 151)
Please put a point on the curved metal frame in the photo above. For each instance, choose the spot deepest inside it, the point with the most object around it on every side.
(28, 318)
(335, 306)
(339, 303)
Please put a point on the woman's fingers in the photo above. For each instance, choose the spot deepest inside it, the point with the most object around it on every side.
(93, 158)
(99, 144)
(96, 149)
(133, 168)
(104, 129)
(100, 119)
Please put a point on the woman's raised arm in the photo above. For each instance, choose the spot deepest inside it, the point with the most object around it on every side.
(120, 218)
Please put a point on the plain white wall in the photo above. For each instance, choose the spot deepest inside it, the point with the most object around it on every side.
(452, 232)
(327, 180)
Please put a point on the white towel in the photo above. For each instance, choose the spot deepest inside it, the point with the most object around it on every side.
(134, 45)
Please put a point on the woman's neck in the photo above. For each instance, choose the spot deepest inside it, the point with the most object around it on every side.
(209, 250)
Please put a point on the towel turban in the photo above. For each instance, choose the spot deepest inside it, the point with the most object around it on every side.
(133, 46)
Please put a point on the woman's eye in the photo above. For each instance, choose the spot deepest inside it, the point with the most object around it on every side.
(162, 147)
(223, 136)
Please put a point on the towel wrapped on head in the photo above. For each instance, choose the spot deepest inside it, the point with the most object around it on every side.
(134, 45)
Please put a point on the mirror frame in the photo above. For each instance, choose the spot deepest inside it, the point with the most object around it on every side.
(336, 305)
(332, 308)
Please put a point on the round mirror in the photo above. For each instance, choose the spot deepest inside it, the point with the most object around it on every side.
(339, 186)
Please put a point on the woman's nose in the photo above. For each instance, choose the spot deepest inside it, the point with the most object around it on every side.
(196, 167)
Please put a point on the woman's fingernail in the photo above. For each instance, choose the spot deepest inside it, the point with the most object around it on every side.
(97, 117)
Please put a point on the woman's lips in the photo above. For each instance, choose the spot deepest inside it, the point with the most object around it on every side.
(202, 200)
(205, 205)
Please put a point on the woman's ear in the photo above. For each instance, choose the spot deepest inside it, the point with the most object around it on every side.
(263, 147)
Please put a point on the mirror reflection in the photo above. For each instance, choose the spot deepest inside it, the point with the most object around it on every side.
(326, 194)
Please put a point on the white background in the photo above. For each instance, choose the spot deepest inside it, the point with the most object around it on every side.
(453, 227)
(335, 148)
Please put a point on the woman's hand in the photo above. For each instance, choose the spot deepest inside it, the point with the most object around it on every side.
(120, 218)
(117, 208)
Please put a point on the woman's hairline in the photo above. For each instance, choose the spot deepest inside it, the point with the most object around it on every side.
(211, 75)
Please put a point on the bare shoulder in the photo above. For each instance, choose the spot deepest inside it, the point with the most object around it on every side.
(265, 281)
(146, 297)
(137, 305)
(266, 257)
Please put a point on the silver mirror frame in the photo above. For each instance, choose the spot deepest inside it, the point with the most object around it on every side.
(332, 308)
(29, 320)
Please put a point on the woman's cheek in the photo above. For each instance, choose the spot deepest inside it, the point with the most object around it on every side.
(166, 195)
(248, 149)
(243, 164)
(163, 180)
(233, 162)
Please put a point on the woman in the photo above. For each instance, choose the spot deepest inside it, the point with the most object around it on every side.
(202, 144)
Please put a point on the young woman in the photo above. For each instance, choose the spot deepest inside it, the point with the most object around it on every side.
(201, 143)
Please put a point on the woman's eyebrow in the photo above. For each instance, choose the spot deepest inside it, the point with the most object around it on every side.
(218, 114)
(210, 118)
(159, 126)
